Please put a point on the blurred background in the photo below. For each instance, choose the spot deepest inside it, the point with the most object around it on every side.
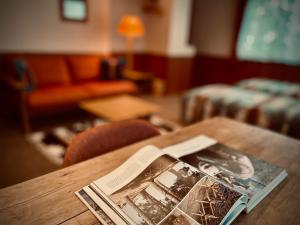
(192, 59)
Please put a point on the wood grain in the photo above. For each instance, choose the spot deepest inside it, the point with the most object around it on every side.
(50, 199)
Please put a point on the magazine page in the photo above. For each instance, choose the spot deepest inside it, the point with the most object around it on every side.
(240, 171)
(155, 188)
(96, 205)
(128, 170)
(189, 146)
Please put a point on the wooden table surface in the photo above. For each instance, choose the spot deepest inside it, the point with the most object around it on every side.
(50, 199)
(121, 107)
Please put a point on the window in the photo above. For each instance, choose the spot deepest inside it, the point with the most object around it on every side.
(270, 32)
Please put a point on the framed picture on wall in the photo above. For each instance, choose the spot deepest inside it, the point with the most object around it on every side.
(74, 10)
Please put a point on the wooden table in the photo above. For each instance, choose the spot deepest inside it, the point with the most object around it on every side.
(120, 107)
(50, 199)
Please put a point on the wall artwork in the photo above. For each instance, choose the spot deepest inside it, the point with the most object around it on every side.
(74, 10)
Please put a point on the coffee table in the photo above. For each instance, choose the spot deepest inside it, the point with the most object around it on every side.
(120, 107)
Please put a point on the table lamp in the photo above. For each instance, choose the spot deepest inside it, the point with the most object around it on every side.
(131, 27)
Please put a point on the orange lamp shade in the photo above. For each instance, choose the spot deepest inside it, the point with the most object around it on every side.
(131, 26)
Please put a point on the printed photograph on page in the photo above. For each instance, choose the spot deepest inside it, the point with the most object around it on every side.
(209, 201)
(238, 170)
(96, 209)
(155, 192)
(177, 217)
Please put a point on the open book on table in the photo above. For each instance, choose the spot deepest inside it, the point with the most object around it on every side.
(199, 181)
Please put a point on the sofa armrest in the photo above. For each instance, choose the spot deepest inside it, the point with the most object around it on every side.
(13, 83)
(158, 86)
(138, 75)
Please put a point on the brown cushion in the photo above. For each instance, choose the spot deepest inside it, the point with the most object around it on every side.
(84, 67)
(48, 70)
(64, 95)
(56, 96)
(102, 139)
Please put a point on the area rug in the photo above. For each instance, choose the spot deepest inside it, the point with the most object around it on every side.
(53, 144)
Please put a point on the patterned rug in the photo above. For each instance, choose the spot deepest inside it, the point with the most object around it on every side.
(53, 144)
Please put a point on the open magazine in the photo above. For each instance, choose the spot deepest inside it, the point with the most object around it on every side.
(199, 181)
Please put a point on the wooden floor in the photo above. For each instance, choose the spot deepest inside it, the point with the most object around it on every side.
(19, 161)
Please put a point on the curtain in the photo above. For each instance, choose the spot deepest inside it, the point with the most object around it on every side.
(270, 32)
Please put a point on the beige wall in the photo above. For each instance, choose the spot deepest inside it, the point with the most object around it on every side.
(213, 26)
(36, 26)
(168, 33)
(157, 29)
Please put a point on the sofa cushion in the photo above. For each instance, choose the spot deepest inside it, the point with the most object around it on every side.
(84, 67)
(56, 96)
(48, 70)
(98, 89)
(47, 98)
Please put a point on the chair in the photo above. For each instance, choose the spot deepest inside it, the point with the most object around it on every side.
(102, 139)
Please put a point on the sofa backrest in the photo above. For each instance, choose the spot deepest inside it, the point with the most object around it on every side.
(55, 69)
(84, 67)
(48, 70)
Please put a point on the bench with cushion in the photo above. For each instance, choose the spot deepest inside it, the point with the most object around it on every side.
(263, 108)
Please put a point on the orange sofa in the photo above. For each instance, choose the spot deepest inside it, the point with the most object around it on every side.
(59, 82)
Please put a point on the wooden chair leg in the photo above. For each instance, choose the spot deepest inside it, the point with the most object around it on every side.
(158, 87)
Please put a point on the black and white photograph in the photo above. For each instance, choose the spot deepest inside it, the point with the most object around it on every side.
(177, 217)
(151, 196)
(142, 194)
(234, 168)
(95, 207)
(179, 179)
(209, 202)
